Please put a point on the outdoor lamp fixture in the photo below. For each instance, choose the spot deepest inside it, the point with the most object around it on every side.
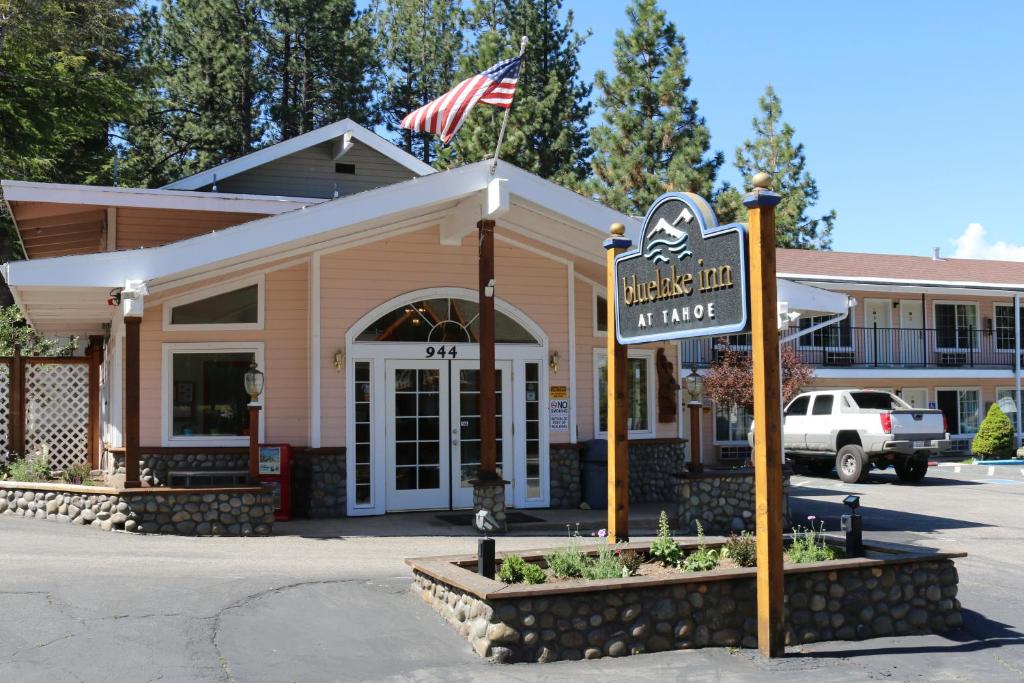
(694, 387)
(553, 361)
(254, 387)
(339, 359)
(852, 525)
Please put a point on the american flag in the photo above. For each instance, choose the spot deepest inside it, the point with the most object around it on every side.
(445, 115)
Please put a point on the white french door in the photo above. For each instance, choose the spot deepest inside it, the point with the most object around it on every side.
(465, 429)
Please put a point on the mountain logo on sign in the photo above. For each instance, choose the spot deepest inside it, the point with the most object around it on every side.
(666, 240)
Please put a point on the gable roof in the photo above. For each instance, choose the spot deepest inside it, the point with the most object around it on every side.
(334, 131)
(842, 266)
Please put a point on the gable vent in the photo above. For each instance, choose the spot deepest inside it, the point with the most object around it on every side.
(350, 169)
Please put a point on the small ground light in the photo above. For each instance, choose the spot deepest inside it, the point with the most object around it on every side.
(851, 524)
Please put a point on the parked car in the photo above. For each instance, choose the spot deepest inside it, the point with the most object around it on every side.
(854, 430)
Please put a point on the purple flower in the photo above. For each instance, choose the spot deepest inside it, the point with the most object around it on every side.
(811, 518)
(602, 533)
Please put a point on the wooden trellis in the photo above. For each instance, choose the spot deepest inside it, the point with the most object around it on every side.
(50, 406)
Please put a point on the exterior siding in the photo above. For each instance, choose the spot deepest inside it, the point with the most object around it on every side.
(286, 358)
(310, 173)
(355, 281)
(153, 227)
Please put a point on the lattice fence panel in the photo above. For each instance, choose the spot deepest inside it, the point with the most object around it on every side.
(57, 412)
(5, 409)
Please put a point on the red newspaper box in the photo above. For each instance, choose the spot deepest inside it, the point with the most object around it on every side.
(276, 469)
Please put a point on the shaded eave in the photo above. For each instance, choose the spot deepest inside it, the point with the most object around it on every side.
(578, 226)
(334, 131)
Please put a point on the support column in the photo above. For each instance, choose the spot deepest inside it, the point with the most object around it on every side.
(95, 353)
(618, 401)
(1019, 441)
(695, 464)
(254, 443)
(488, 488)
(17, 429)
(131, 402)
(767, 417)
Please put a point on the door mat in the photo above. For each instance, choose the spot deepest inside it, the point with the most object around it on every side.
(466, 518)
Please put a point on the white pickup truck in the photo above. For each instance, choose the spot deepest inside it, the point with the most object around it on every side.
(854, 430)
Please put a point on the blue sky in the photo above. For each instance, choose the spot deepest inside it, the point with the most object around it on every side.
(910, 111)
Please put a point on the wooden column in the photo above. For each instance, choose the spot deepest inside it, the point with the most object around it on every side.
(618, 402)
(694, 407)
(131, 402)
(488, 399)
(95, 353)
(767, 417)
(17, 409)
(254, 443)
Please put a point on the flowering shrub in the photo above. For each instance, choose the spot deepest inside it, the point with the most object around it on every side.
(808, 544)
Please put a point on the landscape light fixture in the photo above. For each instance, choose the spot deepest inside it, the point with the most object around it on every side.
(852, 502)
(852, 525)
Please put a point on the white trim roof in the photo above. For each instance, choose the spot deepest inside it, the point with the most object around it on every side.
(306, 228)
(300, 142)
(101, 195)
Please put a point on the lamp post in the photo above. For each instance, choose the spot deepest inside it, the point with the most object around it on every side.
(694, 388)
(254, 387)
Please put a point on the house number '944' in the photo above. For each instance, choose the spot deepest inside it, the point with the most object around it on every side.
(442, 352)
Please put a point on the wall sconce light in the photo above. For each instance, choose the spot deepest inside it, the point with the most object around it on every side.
(553, 361)
(339, 360)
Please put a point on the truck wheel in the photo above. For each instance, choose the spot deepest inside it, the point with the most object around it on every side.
(820, 467)
(911, 471)
(852, 464)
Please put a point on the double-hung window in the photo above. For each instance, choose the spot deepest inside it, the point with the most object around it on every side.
(640, 379)
(732, 423)
(1006, 327)
(834, 336)
(956, 325)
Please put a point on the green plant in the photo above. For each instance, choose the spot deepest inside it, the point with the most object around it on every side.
(29, 469)
(664, 548)
(631, 561)
(742, 549)
(514, 569)
(808, 545)
(607, 565)
(569, 561)
(995, 435)
(77, 474)
(703, 559)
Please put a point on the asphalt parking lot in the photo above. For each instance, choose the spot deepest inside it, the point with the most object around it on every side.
(329, 601)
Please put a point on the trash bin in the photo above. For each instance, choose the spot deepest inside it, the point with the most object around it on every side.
(594, 473)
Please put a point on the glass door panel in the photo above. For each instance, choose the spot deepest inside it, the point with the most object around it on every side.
(417, 444)
(465, 429)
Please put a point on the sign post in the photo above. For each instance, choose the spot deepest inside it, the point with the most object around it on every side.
(618, 445)
(768, 499)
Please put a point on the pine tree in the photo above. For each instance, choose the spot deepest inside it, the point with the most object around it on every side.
(547, 130)
(322, 65)
(420, 43)
(652, 139)
(773, 151)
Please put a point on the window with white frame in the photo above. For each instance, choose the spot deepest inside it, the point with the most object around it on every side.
(363, 441)
(639, 377)
(1007, 401)
(835, 336)
(732, 423)
(204, 392)
(1006, 327)
(232, 306)
(956, 325)
(969, 409)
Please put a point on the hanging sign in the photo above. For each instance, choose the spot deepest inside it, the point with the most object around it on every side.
(686, 278)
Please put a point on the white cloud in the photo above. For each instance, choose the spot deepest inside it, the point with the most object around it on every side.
(973, 244)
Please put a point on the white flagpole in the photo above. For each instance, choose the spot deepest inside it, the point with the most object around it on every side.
(504, 121)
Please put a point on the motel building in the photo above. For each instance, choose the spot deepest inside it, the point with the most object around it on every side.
(347, 271)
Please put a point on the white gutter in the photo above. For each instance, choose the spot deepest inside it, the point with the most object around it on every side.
(843, 279)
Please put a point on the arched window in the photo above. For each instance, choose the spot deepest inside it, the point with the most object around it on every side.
(442, 321)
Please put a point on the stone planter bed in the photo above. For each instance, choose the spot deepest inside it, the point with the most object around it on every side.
(894, 590)
(229, 511)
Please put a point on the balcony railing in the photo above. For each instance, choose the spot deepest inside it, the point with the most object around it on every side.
(877, 347)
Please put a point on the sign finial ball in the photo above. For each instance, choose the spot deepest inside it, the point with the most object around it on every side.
(618, 229)
(761, 180)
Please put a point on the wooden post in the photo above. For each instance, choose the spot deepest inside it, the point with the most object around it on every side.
(95, 352)
(17, 403)
(695, 407)
(488, 399)
(131, 401)
(254, 443)
(767, 417)
(618, 401)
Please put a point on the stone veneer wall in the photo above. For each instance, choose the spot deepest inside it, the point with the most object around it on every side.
(204, 512)
(723, 501)
(155, 468)
(565, 475)
(855, 603)
(652, 464)
(327, 489)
